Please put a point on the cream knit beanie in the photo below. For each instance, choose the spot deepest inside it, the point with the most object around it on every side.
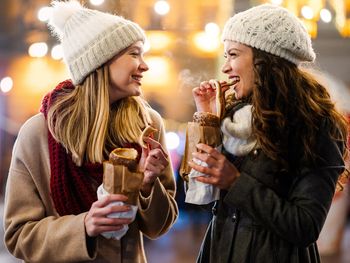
(272, 29)
(89, 38)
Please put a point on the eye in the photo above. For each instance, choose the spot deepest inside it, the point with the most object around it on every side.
(232, 54)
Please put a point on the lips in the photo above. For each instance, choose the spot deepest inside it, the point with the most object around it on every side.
(234, 79)
(137, 78)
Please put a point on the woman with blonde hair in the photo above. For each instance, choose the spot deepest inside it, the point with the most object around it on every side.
(51, 209)
(283, 144)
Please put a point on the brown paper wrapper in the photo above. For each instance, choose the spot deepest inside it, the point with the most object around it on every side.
(197, 134)
(117, 179)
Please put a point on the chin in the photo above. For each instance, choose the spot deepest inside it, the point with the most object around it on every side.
(137, 92)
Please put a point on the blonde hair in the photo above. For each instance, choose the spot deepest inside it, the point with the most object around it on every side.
(85, 123)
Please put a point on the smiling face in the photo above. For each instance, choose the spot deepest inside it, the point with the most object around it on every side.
(239, 66)
(125, 71)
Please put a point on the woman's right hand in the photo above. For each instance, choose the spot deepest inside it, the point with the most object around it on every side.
(205, 96)
(96, 220)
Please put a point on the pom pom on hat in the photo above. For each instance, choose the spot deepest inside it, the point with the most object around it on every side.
(272, 29)
(61, 12)
(90, 38)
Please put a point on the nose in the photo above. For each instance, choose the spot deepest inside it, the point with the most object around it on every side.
(226, 67)
(143, 66)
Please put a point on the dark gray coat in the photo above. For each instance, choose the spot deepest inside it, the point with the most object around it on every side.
(271, 214)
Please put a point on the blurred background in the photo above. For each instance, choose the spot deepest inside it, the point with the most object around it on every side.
(184, 49)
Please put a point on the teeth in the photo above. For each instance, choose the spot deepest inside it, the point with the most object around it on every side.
(136, 78)
(235, 79)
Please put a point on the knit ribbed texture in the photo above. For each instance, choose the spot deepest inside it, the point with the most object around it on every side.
(73, 188)
(238, 138)
(89, 38)
(272, 29)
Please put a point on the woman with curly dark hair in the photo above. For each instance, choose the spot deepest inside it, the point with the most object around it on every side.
(283, 144)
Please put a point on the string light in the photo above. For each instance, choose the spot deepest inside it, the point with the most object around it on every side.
(212, 29)
(311, 11)
(276, 2)
(6, 84)
(206, 42)
(161, 7)
(172, 140)
(44, 13)
(57, 52)
(325, 15)
(96, 2)
(307, 12)
(38, 50)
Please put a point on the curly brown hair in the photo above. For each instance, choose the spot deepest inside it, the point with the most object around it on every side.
(287, 99)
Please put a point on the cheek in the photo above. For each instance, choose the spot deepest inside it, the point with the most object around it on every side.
(119, 78)
(250, 77)
(248, 83)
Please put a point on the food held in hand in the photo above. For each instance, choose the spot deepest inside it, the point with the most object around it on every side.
(206, 119)
(147, 132)
(220, 95)
(124, 156)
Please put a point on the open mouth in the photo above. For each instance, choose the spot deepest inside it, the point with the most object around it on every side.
(137, 78)
(234, 82)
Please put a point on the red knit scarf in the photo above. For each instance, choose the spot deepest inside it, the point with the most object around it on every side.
(73, 188)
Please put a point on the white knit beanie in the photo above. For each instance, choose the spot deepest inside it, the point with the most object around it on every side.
(272, 29)
(89, 38)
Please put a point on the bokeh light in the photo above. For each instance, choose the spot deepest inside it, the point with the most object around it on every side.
(212, 29)
(172, 140)
(161, 7)
(6, 84)
(44, 13)
(307, 12)
(325, 15)
(56, 52)
(38, 50)
(96, 2)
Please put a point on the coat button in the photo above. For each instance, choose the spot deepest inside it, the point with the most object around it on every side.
(234, 217)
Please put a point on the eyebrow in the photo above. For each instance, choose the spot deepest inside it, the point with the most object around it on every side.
(136, 48)
(232, 49)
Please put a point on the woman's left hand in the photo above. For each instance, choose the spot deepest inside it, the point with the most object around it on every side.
(221, 172)
(154, 161)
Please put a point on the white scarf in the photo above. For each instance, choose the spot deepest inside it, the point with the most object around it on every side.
(237, 133)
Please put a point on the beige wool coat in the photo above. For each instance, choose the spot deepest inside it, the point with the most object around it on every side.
(34, 232)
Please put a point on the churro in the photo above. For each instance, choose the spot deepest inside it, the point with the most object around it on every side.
(228, 84)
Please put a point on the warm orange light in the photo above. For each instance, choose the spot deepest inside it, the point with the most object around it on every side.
(6, 84)
(159, 75)
(311, 27)
(160, 41)
(34, 77)
(314, 10)
(344, 29)
(205, 45)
